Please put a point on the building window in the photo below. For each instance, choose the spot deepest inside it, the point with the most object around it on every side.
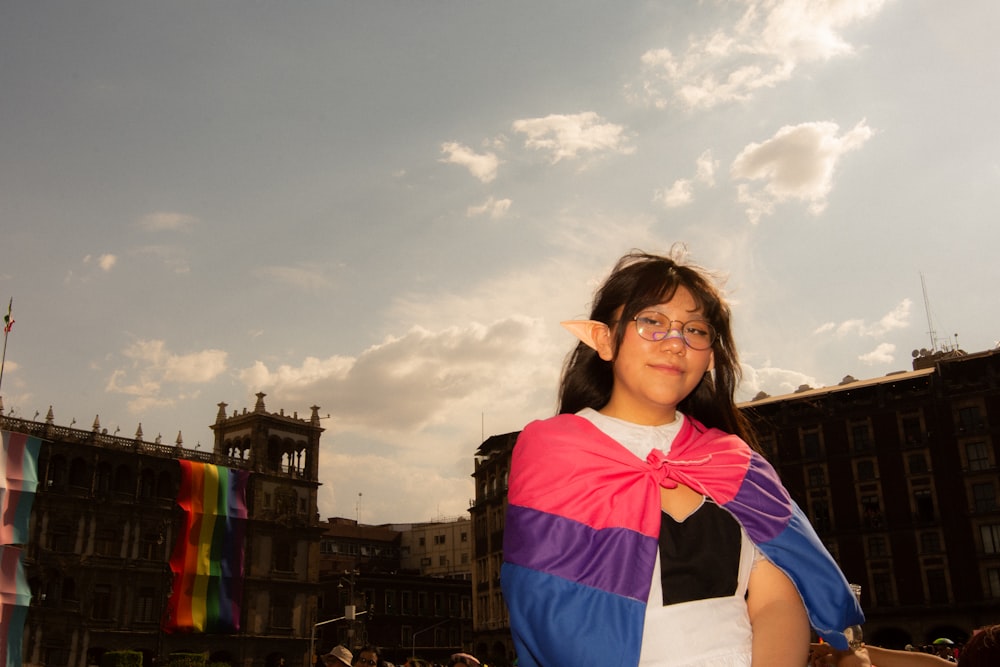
(422, 541)
(61, 537)
(284, 556)
(930, 542)
(820, 513)
(861, 437)
(811, 444)
(978, 456)
(993, 582)
(882, 589)
(923, 504)
(871, 511)
(422, 602)
(917, 463)
(984, 497)
(281, 612)
(969, 419)
(106, 542)
(912, 430)
(990, 535)
(937, 585)
(465, 536)
(145, 611)
(390, 602)
(877, 547)
(100, 605)
(406, 602)
(866, 470)
(439, 539)
(816, 476)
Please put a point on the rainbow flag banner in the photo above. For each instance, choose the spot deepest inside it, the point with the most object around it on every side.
(15, 596)
(18, 483)
(208, 558)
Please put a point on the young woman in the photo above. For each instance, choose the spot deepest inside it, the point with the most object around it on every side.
(642, 528)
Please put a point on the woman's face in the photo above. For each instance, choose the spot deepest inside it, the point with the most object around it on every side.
(652, 377)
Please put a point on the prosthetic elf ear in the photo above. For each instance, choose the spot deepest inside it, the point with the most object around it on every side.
(595, 335)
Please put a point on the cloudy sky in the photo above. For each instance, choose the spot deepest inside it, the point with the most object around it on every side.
(385, 208)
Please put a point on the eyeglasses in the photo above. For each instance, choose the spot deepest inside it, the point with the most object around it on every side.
(655, 326)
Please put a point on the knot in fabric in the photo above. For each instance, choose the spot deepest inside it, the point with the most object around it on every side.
(668, 473)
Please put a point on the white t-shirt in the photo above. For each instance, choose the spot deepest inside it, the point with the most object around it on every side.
(701, 632)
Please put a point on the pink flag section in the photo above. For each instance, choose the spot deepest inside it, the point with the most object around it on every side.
(18, 483)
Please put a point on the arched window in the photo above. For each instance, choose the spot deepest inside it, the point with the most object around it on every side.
(79, 474)
(147, 483)
(103, 477)
(165, 486)
(124, 480)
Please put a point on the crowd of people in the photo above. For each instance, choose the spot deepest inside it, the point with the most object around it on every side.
(981, 650)
(370, 656)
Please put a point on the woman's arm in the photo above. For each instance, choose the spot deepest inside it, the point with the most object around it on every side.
(778, 618)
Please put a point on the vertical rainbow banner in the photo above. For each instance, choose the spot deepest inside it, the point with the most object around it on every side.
(207, 562)
(18, 483)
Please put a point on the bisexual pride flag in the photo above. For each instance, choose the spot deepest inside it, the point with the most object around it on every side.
(208, 558)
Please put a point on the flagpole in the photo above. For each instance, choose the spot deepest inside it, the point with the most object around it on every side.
(8, 322)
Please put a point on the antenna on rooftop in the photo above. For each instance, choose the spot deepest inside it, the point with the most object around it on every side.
(935, 347)
(927, 312)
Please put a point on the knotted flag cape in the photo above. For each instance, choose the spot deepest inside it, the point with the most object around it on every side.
(582, 534)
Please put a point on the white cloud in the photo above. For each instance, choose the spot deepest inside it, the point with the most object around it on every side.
(161, 221)
(797, 163)
(565, 136)
(104, 262)
(306, 276)
(171, 257)
(882, 354)
(482, 166)
(682, 190)
(897, 318)
(495, 208)
(678, 194)
(772, 381)
(151, 365)
(408, 381)
(760, 50)
(107, 261)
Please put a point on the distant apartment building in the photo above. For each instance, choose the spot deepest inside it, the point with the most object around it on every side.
(409, 585)
(438, 548)
(899, 475)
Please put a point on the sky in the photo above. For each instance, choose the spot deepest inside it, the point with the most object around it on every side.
(385, 209)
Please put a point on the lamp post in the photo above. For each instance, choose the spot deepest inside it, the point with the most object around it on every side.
(429, 627)
(348, 615)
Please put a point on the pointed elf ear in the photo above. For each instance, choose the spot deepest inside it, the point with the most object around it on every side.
(594, 334)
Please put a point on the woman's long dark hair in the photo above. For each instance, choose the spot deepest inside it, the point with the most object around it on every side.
(638, 281)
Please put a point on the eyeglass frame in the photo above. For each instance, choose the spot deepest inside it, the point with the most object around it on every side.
(677, 332)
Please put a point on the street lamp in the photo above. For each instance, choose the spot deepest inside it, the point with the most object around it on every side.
(429, 627)
(349, 614)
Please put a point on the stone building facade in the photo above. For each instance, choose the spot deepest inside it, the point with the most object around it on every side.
(105, 521)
